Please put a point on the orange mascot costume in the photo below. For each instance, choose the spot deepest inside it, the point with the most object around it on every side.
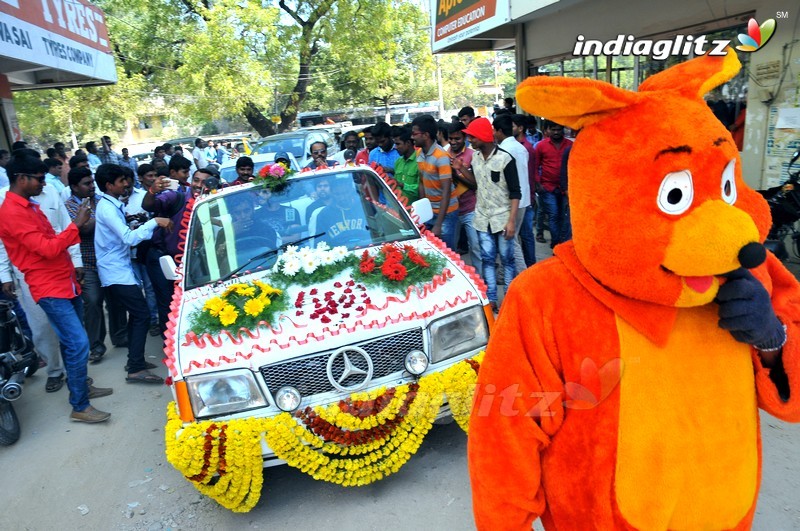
(622, 381)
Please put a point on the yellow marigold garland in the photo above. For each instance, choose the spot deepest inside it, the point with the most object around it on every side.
(223, 459)
(460, 381)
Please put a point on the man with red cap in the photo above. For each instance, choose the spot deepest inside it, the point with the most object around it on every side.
(495, 172)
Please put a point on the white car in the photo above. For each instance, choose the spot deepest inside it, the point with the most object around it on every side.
(297, 143)
(330, 344)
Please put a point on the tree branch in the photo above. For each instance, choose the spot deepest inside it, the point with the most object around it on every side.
(292, 13)
(190, 5)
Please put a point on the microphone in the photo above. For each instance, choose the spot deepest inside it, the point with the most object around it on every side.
(349, 155)
(752, 255)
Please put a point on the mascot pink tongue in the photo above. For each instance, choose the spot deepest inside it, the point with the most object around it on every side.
(666, 296)
(699, 284)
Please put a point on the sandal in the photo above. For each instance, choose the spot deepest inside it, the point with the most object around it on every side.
(95, 357)
(144, 377)
(54, 383)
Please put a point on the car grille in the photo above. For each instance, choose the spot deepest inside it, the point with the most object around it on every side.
(308, 375)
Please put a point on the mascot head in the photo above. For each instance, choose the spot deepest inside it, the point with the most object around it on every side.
(659, 208)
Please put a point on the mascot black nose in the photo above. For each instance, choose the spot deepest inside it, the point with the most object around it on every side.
(752, 255)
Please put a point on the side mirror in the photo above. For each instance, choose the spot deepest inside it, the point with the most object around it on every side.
(422, 209)
(168, 267)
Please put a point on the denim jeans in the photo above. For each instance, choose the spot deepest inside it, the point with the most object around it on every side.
(473, 241)
(66, 317)
(140, 270)
(449, 226)
(552, 209)
(566, 223)
(527, 238)
(131, 298)
(93, 316)
(491, 246)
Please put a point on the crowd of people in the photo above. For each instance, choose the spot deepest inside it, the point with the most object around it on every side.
(494, 185)
(88, 234)
(90, 229)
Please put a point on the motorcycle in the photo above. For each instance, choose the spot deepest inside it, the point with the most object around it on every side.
(17, 361)
(784, 205)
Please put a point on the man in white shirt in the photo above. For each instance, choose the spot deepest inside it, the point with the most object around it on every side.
(112, 242)
(5, 156)
(503, 135)
(198, 153)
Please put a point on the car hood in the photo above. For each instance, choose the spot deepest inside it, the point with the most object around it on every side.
(360, 313)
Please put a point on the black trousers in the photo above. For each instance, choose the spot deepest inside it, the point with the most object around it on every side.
(131, 298)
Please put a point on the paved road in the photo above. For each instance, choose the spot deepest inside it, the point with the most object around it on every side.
(119, 474)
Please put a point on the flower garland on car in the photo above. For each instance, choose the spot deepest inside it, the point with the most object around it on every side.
(307, 266)
(241, 304)
(353, 442)
(396, 268)
(274, 177)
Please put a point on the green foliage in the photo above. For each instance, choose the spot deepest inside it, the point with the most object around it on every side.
(204, 321)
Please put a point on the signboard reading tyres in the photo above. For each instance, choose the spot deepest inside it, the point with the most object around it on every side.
(455, 20)
(68, 35)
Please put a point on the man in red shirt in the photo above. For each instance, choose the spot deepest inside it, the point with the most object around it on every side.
(362, 157)
(41, 255)
(549, 154)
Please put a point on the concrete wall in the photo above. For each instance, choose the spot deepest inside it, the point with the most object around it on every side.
(552, 32)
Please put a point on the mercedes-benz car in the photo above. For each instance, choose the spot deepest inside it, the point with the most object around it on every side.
(337, 330)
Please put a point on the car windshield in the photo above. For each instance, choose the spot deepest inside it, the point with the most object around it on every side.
(245, 230)
(293, 144)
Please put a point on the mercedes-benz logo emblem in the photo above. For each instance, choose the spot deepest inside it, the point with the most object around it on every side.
(348, 354)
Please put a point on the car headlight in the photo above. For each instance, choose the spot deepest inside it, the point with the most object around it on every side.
(458, 333)
(224, 392)
(287, 398)
(416, 362)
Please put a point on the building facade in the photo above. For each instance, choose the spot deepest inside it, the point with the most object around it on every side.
(49, 44)
(548, 37)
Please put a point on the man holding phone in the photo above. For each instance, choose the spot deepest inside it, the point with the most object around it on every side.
(168, 197)
(41, 255)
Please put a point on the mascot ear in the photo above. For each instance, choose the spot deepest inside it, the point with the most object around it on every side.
(694, 78)
(574, 102)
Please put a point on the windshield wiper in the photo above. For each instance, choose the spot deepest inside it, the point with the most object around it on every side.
(267, 254)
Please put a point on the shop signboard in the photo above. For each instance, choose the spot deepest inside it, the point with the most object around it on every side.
(67, 35)
(456, 20)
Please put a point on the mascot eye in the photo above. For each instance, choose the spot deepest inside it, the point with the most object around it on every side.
(676, 193)
(729, 183)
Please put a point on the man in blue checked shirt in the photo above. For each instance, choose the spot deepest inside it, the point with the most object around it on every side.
(113, 240)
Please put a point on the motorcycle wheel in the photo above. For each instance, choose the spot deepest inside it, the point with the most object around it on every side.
(9, 424)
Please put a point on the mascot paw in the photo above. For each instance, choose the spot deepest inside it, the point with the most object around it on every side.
(745, 310)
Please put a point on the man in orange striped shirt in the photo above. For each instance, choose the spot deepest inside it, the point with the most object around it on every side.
(436, 177)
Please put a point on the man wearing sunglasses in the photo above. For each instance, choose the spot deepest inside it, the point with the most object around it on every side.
(319, 157)
(42, 256)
